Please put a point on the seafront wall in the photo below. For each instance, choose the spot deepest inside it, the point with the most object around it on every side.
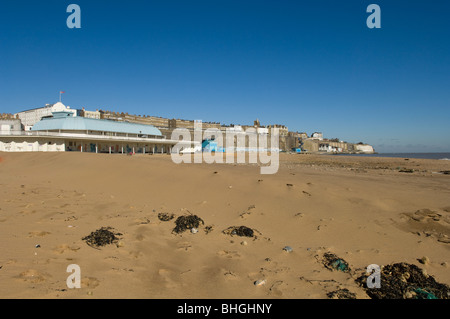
(287, 141)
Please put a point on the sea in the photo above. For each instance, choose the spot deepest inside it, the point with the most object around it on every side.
(436, 156)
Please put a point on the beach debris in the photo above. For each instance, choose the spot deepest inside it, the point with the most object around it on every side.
(422, 294)
(288, 249)
(101, 237)
(242, 231)
(444, 239)
(244, 214)
(120, 243)
(424, 260)
(37, 246)
(208, 229)
(341, 294)
(406, 170)
(70, 218)
(143, 221)
(445, 172)
(333, 262)
(289, 185)
(165, 217)
(405, 281)
(248, 212)
(244, 243)
(194, 230)
(187, 222)
(260, 282)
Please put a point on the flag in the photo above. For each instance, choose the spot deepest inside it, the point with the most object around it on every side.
(62, 92)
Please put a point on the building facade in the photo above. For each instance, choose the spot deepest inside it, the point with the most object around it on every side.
(7, 126)
(90, 114)
(63, 132)
(32, 116)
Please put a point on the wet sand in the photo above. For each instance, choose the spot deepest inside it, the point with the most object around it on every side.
(364, 210)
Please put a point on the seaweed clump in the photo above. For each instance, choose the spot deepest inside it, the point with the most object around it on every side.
(102, 237)
(242, 231)
(187, 222)
(333, 262)
(165, 217)
(341, 294)
(405, 281)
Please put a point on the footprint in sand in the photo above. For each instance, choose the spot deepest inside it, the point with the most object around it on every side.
(89, 282)
(274, 289)
(427, 222)
(65, 247)
(27, 212)
(141, 221)
(184, 246)
(33, 276)
(166, 275)
(136, 254)
(229, 254)
(38, 233)
(230, 275)
(140, 237)
(71, 218)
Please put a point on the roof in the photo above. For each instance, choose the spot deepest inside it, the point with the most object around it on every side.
(47, 106)
(36, 108)
(61, 121)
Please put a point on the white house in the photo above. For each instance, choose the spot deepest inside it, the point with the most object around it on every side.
(317, 135)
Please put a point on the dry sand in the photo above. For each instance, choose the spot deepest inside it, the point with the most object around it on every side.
(362, 209)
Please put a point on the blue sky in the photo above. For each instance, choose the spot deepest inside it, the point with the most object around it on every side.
(311, 65)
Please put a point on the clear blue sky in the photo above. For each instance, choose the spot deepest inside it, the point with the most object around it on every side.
(311, 65)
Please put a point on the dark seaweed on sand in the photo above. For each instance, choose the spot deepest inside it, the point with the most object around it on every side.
(187, 222)
(341, 294)
(165, 217)
(242, 231)
(405, 281)
(101, 237)
(333, 262)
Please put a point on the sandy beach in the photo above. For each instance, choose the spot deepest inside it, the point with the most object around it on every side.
(364, 210)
